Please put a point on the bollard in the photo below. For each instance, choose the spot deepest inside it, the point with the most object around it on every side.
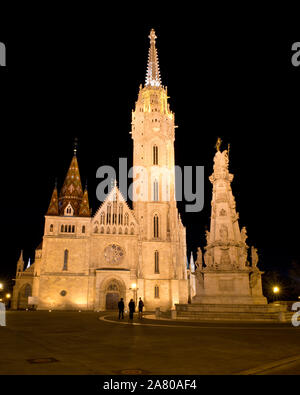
(157, 312)
(2, 315)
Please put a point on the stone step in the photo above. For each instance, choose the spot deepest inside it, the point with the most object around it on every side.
(231, 316)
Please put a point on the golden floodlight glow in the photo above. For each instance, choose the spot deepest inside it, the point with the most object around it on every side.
(275, 290)
(1, 286)
(133, 285)
(8, 296)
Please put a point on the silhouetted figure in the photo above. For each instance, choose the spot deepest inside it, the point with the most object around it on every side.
(131, 306)
(121, 308)
(141, 305)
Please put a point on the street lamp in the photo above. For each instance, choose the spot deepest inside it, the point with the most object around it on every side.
(275, 291)
(1, 286)
(134, 289)
(8, 296)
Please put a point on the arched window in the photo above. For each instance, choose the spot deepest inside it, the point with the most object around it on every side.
(102, 216)
(102, 229)
(83, 229)
(126, 221)
(155, 226)
(126, 231)
(69, 229)
(27, 290)
(66, 257)
(108, 217)
(132, 231)
(114, 217)
(121, 214)
(62, 228)
(156, 262)
(51, 228)
(73, 228)
(120, 231)
(155, 154)
(156, 291)
(155, 190)
(66, 228)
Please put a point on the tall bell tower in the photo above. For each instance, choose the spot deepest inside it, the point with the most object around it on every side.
(162, 263)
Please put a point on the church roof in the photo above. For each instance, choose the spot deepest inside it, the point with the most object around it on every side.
(21, 257)
(71, 191)
(84, 209)
(40, 246)
(53, 206)
(153, 73)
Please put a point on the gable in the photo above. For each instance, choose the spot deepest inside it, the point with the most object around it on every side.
(114, 216)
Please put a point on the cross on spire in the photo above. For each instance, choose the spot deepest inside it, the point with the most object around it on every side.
(75, 145)
(153, 74)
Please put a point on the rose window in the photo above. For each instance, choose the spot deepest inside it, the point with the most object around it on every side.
(113, 254)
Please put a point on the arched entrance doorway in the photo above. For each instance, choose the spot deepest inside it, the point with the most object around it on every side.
(113, 295)
(24, 292)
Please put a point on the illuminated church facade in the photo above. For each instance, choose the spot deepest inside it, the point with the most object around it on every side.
(88, 262)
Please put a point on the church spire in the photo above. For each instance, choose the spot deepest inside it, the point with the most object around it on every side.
(20, 264)
(84, 209)
(153, 74)
(71, 191)
(53, 206)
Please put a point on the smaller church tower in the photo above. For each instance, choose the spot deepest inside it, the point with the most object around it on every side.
(61, 275)
(20, 265)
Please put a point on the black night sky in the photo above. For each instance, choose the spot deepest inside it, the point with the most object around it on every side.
(78, 74)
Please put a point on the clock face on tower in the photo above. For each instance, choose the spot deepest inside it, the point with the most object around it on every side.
(113, 254)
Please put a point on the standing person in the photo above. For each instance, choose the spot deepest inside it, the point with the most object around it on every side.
(131, 306)
(121, 308)
(141, 305)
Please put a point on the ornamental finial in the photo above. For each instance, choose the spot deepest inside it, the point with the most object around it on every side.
(152, 36)
(218, 144)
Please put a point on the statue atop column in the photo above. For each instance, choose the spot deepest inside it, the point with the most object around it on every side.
(199, 260)
(254, 257)
(244, 234)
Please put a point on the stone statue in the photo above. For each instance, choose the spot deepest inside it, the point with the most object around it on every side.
(243, 257)
(207, 234)
(244, 234)
(253, 279)
(199, 263)
(207, 259)
(224, 232)
(254, 257)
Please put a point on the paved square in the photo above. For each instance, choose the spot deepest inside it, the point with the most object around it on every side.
(79, 343)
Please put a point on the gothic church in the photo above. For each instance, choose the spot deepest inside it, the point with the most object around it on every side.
(87, 262)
